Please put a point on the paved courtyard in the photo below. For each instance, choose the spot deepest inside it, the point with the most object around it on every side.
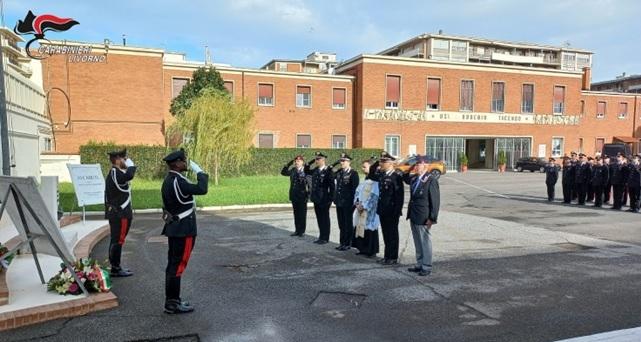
(509, 266)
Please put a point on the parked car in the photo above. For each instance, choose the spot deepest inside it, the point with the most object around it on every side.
(612, 149)
(436, 166)
(530, 163)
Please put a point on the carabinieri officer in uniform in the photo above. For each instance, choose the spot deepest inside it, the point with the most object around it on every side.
(298, 192)
(321, 195)
(346, 184)
(179, 214)
(118, 207)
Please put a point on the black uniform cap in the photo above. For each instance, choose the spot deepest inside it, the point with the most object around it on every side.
(386, 157)
(582, 155)
(176, 155)
(118, 154)
(319, 155)
(345, 156)
(573, 153)
(552, 159)
(421, 159)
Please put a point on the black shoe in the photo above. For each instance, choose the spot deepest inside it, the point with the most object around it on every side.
(120, 273)
(390, 262)
(415, 269)
(360, 253)
(424, 273)
(381, 261)
(339, 248)
(321, 242)
(294, 234)
(174, 306)
(345, 248)
(317, 241)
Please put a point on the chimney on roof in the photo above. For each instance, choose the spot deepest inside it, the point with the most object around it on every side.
(586, 79)
(124, 40)
(440, 31)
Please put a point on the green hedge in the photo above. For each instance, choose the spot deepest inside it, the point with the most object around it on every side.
(148, 159)
(264, 161)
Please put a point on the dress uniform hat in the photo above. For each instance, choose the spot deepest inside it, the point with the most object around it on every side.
(421, 159)
(573, 153)
(552, 159)
(581, 154)
(386, 157)
(319, 155)
(345, 156)
(116, 154)
(176, 155)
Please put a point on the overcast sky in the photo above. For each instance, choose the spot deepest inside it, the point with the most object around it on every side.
(248, 33)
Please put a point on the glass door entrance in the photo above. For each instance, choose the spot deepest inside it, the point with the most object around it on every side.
(446, 149)
(485, 150)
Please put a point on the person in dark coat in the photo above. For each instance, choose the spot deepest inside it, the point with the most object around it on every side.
(574, 160)
(390, 205)
(607, 191)
(551, 177)
(618, 179)
(322, 193)
(346, 183)
(589, 188)
(298, 192)
(567, 180)
(118, 207)
(179, 214)
(422, 211)
(599, 181)
(634, 184)
(581, 177)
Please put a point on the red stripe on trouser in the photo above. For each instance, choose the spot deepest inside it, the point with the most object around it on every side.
(123, 231)
(189, 243)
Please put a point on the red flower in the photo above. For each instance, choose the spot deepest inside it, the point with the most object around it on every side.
(73, 288)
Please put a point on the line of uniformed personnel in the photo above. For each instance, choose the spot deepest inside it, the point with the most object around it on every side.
(597, 180)
(379, 198)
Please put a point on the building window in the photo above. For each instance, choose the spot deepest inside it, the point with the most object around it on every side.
(580, 145)
(282, 66)
(393, 92)
(623, 110)
(527, 101)
(433, 93)
(498, 97)
(440, 49)
(599, 144)
(600, 109)
(582, 107)
(303, 141)
(265, 94)
(303, 96)
(467, 95)
(459, 51)
(177, 85)
(266, 141)
(559, 99)
(339, 141)
(229, 86)
(47, 146)
(557, 147)
(392, 144)
(338, 98)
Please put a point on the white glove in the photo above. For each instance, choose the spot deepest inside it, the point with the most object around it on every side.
(129, 162)
(194, 167)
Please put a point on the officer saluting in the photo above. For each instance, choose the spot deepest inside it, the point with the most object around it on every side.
(298, 192)
(179, 213)
(581, 178)
(551, 177)
(118, 207)
(346, 184)
(321, 195)
(600, 180)
(390, 205)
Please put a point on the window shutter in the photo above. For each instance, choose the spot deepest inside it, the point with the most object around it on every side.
(433, 90)
(393, 89)
(177, 86)
(559, 94)
(230, 87)
(265, 90)
(600, 108)
(303, 90)
(339, 96)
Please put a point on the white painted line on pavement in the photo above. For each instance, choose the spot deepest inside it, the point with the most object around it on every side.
(627, 335)
(478, 187)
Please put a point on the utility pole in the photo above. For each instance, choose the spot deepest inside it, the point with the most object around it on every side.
(4, 130)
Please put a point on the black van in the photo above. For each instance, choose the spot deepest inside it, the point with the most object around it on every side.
(612, 149)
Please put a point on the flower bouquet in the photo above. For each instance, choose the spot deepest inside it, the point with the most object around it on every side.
(4, 263)
(94, 277)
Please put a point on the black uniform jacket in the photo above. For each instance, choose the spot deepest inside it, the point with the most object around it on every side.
(118, 193)
(551, 174)
(582, 173)
(425, 198)
(346, 184)
(600, 175)
(634, 176)
(298, 183)
(618, 174)
(322, 185)
(178, 198)
(391, 192)
(568, 174)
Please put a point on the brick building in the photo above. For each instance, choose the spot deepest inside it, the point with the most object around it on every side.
(434, 94)
(621, 84)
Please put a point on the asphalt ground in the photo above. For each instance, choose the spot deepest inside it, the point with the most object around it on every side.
(251, 281)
